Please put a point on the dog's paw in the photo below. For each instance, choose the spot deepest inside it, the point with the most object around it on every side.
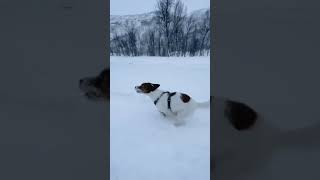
(163, 114)
(179, 123)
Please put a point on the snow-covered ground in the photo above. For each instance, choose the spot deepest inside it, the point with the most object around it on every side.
(143, 144)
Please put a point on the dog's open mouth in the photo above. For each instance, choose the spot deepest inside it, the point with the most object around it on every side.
(138, 90)
(93, 95)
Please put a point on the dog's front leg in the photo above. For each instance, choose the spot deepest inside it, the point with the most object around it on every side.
(163, 114)
(179, 119)
(178, 123)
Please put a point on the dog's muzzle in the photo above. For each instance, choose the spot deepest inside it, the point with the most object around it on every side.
(89, 90)
(138, 90)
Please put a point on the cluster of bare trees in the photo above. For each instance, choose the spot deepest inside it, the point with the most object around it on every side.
(174, 33)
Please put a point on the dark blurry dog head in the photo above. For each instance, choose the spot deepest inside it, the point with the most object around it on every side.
(96, 87)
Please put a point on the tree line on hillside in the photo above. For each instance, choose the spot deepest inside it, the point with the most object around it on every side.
(174, 33)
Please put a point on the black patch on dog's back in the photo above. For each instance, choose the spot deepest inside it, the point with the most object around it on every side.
(185, 98)
(241, 116)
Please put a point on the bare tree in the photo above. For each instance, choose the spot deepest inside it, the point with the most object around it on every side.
(163, 15)
(189, 27)
(204, 30)
(178, 18)
(116, 45)
(131, 32)
(170, 33)
(151, 43)
(194, 46)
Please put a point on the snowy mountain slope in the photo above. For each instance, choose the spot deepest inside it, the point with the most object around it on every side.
(198, 13)
(143, 144)
(141, 21)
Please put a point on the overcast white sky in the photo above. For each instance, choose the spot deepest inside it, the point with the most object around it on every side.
(125, 7)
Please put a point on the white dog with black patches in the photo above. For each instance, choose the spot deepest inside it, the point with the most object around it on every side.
(173, 104)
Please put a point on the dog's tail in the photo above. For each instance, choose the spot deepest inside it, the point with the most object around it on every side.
(304, 137)
(205, 104)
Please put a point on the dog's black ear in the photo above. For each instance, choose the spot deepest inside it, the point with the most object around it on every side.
(155, 86)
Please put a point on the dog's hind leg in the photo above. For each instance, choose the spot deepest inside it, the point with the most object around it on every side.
(178, 122)
(180, 117)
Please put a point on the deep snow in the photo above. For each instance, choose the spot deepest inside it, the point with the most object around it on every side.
(143, 144)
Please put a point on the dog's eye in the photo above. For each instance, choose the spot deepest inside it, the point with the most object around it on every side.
(145, 85)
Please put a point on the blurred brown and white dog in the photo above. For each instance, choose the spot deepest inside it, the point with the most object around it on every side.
(96, 88)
